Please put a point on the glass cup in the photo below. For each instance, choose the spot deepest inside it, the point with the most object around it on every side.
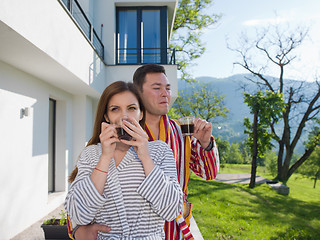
(122, 134)
(187, 125)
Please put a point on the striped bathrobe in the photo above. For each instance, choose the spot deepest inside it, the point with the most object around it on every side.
(190, 156)
(133, 205)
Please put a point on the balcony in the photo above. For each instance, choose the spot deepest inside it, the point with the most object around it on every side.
(75, 10)
(142, 35)
(139, 56)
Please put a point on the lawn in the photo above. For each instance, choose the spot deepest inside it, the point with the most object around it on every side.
(234, 211)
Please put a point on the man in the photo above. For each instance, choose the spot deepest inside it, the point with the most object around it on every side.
(199, 155)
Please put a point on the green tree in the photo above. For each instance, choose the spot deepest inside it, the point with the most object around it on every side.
(265, 108)
(224, 148)
(270, 160)
(201, 102)
(311, 167)
(191, 21)
(277, 47)
(173, 114)
(245, 151)
(234, 155)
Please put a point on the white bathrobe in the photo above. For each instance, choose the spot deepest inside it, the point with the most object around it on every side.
(134, 206)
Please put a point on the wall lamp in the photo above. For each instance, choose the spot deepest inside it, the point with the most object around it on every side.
(25, 112)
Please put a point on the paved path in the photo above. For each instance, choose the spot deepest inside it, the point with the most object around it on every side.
(239, 178)
(34, 232)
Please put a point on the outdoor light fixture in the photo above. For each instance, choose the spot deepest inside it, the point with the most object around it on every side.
(25, 112)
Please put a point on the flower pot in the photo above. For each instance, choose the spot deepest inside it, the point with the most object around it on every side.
(55, 232)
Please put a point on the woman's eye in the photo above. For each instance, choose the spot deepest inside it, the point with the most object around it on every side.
(114, 109)
(132, 108)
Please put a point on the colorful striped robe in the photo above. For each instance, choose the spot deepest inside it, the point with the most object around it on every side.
(190, 156)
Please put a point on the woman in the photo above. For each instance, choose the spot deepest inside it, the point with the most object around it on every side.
(128, 185)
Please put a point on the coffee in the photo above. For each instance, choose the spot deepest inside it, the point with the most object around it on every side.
(187, 125)
(187, 129)
(122, 134)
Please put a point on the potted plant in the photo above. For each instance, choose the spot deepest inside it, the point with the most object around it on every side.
(56, 228)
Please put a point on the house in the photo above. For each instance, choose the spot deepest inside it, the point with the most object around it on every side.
(56, 58)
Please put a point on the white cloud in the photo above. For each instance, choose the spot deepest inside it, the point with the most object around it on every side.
(266, 21)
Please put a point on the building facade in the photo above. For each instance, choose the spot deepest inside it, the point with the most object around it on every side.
(56, 58)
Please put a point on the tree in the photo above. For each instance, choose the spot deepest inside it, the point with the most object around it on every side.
(265, 108)
(278, 48)
(311, 168)
(200, 102)
(270, 161)
(245, 151)
(224, 148)
(234, 155)
(189, 25)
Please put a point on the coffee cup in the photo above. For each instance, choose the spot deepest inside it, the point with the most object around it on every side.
(122, 134)
(187, 125)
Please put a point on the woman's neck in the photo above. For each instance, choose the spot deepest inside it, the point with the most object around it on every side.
(121, 147)
(120, 152)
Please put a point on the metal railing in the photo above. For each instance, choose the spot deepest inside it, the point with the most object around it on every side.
(146, 55)
(84, 24)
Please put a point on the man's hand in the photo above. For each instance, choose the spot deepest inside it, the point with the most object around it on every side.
(90, 232)
(202, 131)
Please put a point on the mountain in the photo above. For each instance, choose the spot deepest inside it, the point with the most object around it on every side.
(231, 88)
(231, 128)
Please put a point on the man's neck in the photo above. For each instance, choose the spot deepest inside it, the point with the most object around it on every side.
(153, 122)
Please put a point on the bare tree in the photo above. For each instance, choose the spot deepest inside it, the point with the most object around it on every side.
(277, 47)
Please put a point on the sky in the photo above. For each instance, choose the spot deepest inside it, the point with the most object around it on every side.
(247, 16)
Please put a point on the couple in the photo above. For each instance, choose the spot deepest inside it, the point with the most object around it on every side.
(143, 181)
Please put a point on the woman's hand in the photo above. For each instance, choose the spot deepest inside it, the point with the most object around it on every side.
(108, 138)
(139, 142)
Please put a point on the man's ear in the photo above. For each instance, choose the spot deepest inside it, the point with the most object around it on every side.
(106, 118)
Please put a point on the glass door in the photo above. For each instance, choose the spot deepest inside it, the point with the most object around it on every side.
(141, 35)
(127, 36)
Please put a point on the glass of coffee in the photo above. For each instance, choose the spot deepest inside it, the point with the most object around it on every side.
(187, 125)
(122, 134)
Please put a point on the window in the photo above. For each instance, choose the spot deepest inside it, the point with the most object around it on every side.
(52, 146)
(141, 35)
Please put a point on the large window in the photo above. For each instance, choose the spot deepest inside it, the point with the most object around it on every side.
(141, 35)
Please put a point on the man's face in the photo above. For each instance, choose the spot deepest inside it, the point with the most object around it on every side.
(156, 94)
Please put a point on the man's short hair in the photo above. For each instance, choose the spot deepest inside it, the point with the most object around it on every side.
(140, 74)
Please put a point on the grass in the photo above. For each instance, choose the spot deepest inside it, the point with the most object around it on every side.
(234, 211)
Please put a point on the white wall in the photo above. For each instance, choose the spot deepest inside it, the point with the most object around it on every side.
(24, 149)
(105, 14)
(83, 115)
(40, 33)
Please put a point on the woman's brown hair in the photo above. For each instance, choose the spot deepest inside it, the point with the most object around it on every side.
(108, 93)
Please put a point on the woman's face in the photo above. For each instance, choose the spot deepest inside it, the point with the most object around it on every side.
(123, 105)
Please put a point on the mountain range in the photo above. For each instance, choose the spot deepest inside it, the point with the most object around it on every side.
(231, 128)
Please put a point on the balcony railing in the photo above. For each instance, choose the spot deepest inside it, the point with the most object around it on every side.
(84, 24)
(146, 55)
